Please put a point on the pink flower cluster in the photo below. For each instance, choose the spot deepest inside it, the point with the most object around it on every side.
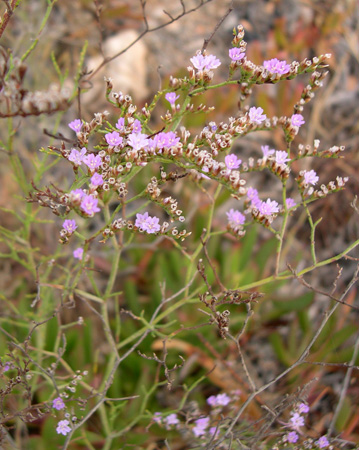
(205, 62)
(276, 66)
(147, 223)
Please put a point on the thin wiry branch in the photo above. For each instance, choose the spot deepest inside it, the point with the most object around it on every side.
(148, 29)
(300, 361)
(221, 20)
(344, 390)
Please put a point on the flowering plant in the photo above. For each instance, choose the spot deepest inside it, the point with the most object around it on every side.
(140, 191)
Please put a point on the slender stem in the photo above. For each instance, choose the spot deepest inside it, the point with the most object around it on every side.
(288, 274)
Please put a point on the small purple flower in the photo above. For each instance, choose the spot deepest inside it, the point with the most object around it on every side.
(267, 151)
(211, 62)
(322, 442)
(136, 126)
(141, 220)
(63, 427)
(290, 204)
(232, 162)
(92, 161)
(69, 225)
(58, 403)
(220, 399)
(172, 139)
(204, 169)
(310, 177)
(276, 66)
(208, 62)
(296, 421)
(137, 141)
(252, 195)
(281, 157)
(96, 180)
(77, 157)
(147, 223)
(78, 253)
(89, 205)
(292, 437)
(201, 425)
(157, 417)
(213, 431)
(113, 139)
(268, 207)
(120, 125)
(303, 407)
(171, 97)
(152, 225)
(235, 219)
(297, 120)
(6, 367)
(236, 54)
(76, 125)
(172, 419)
(76, 195)
(223, 399)
(256, 116)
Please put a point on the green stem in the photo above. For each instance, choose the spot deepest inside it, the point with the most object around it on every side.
(288, 274)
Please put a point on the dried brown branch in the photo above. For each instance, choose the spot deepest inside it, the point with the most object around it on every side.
(147, 30)
(4, 21)
(221, 20)
(319, 291)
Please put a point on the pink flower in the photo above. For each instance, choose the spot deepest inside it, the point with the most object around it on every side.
(92, 161)
(120, 125)
(172, 419)
(113, 139)
(252, 195)
(281, 157)
(78, 253)
(220, 399)
(147, 223)
(256, 116)
(235, 219)
(96, 180)
(208, 62)
(310, 177)
(76, 195)
(77, 157)
(236, 54)
(266, 151)
(292, 437)
(152, 225)
(76, 125)
(276, 66)
(63, 427)
(297, 120)
(58, 403)
(136, 126)
(290, 204)
(137, 141)
(201, 425)
(268, 207)
(303, 407)
(171, 97)
(69, 225)
(89, 205)
(157, 417)
(322, 442)
(232, 162)
(296, 421)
